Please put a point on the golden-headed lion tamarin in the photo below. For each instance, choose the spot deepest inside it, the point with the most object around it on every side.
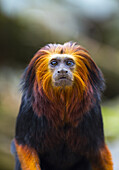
(59, 126)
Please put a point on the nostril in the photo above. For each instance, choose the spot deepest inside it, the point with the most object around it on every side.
(62, 71)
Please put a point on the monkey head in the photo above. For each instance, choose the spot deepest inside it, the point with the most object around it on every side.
(68, 67)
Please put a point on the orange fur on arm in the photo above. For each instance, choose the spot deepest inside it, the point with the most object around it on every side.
(28, 157)
(102, 160)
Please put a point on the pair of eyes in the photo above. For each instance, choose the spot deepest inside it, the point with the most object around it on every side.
(69, 63)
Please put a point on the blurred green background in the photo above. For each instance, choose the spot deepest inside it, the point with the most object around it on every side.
(27, 25)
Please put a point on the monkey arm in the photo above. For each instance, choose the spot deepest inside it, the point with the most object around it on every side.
(102, 160)
(28, 157)
(99, 154)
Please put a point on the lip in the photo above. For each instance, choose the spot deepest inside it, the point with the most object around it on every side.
(62, 78)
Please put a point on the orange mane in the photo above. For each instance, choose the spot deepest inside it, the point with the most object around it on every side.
(83, 85)
(44, 76)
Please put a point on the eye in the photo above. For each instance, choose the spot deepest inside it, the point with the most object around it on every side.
(69, 63)
(53, 63)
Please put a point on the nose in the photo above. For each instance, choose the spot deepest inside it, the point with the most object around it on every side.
(62, 71)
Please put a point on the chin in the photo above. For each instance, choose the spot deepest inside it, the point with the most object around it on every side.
(63, 83)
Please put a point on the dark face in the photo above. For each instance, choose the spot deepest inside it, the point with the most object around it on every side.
(62, 67)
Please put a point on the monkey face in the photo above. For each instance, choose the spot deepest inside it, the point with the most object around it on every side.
(62, 67)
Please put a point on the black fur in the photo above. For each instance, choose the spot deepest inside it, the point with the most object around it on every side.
(33, 131)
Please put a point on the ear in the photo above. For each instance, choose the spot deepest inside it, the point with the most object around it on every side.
(28, 77)
(96, 78)
(27, 83)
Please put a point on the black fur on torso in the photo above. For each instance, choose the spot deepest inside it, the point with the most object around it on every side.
(64, 147)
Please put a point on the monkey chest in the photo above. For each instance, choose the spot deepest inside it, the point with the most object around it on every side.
(59, 157)
(61, 145)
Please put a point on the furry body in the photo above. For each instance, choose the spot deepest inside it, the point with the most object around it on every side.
(61, 128)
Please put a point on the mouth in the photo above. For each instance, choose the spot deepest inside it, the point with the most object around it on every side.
(63, 81)
(62, 78)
